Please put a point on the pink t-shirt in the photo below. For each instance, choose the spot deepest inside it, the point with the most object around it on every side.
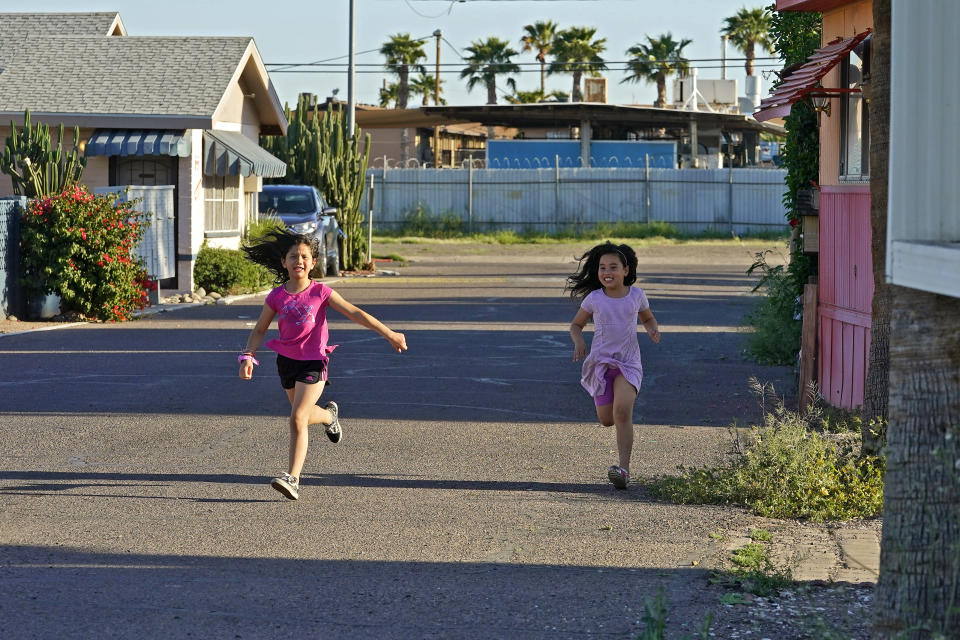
(614, 342)
(302, 321)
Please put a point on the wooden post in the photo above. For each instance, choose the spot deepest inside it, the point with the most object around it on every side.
(808, 347)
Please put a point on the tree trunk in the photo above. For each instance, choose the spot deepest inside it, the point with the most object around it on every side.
(661, 91)
(543, 75)
(403, 95)
(919, 588)
(877, 91)
(492, 91)
(576, 96)
(749, 54)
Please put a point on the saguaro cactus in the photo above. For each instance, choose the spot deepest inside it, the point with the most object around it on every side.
(37, 168)
(345, 168)
(319, 152)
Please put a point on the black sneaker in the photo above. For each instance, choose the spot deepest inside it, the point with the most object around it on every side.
(333, 429)
(618, 477)
(287, 485)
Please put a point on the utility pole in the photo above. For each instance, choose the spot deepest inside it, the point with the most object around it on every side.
(723, 53)
(351, 105)
(436, 101)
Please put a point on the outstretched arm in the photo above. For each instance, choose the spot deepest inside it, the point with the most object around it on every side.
(364, 319)
(576, 334)
(256, 339)
(650, 324)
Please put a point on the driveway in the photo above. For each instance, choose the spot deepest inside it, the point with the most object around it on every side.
(467, 499)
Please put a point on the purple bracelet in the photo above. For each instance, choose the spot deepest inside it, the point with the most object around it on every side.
(247, 356)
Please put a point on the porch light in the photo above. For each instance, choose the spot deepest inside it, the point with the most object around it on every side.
(821, 103)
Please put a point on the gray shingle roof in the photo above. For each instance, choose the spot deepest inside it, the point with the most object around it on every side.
(56, 24)
(175, 76)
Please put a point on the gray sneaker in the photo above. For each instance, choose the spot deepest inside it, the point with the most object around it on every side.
(618, 476)
(333, 429)
(287, 485)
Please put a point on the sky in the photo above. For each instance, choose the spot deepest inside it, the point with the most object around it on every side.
(300, 31)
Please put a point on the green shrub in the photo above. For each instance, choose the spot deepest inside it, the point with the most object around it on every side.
(262, 226)
(420, 222)
(228, 272)
(785, 469)
(80, 247)
(776, 319)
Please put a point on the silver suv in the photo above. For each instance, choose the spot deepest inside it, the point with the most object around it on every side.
(303, 210)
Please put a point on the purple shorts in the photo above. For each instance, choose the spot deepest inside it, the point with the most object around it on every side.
(607, 396)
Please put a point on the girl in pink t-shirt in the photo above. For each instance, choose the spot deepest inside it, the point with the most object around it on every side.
(300, 306)
(612, 372)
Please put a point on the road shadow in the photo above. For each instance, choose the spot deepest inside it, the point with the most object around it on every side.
(70, 593)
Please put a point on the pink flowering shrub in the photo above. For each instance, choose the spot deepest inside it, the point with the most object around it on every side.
(79, 246)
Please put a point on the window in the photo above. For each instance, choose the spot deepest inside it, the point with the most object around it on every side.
(221, 203)
(855, 115)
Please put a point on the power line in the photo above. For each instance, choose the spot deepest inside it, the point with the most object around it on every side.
(381, 71)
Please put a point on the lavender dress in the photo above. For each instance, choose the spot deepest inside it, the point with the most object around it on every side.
(614, 342)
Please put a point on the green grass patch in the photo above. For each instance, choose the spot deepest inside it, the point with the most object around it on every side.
(655, 620)
(754, 572)
(420, 225)
(760, 535)
(784, 468)
(392, 257)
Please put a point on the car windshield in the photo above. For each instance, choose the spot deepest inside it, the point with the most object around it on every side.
(287, 202)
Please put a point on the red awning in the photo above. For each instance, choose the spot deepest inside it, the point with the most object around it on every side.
(805, 79)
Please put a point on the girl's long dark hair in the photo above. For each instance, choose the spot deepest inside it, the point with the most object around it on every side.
(586, 279)
(273, 247)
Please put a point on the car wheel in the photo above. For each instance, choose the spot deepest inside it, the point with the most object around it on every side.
(333, 262)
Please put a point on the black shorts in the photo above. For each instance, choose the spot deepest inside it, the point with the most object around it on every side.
(307, 371)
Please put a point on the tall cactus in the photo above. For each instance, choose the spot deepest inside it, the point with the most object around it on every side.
(345, 170)
(36, 168)
(319, 152)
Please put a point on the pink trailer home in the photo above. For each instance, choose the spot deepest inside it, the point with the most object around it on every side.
(832, 80)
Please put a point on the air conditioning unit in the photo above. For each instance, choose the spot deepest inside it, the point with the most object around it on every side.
(595, 90)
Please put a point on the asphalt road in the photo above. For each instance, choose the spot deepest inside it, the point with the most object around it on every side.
(467, 499)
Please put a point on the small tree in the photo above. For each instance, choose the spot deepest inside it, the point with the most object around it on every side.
(35, 167)
(80, 246)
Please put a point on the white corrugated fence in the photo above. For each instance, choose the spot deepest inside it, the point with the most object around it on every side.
(549, 200)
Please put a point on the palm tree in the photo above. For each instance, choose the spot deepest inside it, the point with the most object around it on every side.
(654, 61)
(746, 30)
(388, 94)
(425, 85)
(487, 59)
(576, 51)
(539, 37)
(403, 55)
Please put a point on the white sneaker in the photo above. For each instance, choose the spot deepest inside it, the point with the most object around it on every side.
(287, 485)
(333, 429)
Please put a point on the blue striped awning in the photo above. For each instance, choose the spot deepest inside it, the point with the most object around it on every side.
(138, 142)
(228, 153)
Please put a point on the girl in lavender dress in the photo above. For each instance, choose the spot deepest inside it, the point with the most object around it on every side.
(611, 372)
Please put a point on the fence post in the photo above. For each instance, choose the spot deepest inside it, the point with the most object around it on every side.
(470, 197)
(646, 186)
(370, 222)
(730, 195)
(556, 190)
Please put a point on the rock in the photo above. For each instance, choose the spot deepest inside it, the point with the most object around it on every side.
(214, 295)
(200, 292)
(12, 318)
(223, 301)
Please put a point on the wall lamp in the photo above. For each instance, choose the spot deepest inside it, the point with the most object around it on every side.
(821, 103)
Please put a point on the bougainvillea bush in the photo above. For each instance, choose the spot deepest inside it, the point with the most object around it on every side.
(80, 246)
